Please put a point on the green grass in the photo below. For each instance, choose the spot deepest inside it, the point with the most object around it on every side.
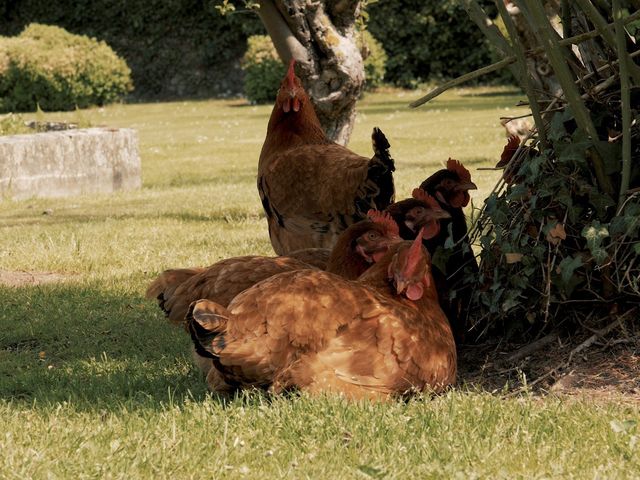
(95, 384)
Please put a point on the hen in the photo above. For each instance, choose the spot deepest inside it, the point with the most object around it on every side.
(312, 188)
(412, 214)
(451, 187)
(382, 335)
(356, 249)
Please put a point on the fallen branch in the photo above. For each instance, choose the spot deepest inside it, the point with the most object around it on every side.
(531, 348)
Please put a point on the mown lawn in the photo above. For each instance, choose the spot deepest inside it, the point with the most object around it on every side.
(95, 384)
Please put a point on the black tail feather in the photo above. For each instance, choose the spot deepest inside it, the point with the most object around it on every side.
(207, 329)
(381, 170)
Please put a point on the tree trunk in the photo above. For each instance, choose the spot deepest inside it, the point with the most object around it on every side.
(320, 35)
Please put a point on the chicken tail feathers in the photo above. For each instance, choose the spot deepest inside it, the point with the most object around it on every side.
(207, 323)
(378, 190)
(163, 287)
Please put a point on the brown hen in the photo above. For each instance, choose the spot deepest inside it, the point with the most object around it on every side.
(311, 188)
(382, 335)
(357, 248)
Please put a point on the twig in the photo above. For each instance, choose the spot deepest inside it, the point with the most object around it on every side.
(591, 340)
(531, 348)
(584, 345)
(462, 79)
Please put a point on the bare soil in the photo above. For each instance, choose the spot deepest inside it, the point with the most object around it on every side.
(20, 279)
(598, 366)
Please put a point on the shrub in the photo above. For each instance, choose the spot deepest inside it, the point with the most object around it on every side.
(374, 57)
(263, 70)
(427, 40)
(52, 68)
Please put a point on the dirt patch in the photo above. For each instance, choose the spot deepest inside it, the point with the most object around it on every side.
(20, 279)
(602, 366)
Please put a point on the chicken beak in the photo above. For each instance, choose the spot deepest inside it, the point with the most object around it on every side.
(467, 186)
(401, 285)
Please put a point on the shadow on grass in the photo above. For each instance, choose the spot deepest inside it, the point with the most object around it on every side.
(460, 104)
(507, 92)
(92, 346)
(229, 215)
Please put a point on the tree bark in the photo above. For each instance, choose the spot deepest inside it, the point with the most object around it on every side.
(320, 35)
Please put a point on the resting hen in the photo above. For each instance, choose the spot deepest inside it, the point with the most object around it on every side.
(421, 210)
(451, 187)
(311, 188)
(382, 335)
(357, 248)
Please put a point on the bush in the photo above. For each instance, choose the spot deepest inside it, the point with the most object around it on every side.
(57, 70)
(263, 70)
(427, 40)
(374, 57)
(175, 48)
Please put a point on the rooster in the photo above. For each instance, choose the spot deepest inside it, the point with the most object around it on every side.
(312, 188)
(357, 248)
(382, 335)
(450, 186)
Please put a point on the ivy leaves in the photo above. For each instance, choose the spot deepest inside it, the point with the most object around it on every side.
(550, 234)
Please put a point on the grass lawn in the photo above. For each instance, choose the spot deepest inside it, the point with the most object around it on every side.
(95, 384)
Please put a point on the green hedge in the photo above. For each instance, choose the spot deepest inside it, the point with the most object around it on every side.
(374, 57)
(263, 69)
(185, 48)
(175, 48)
(427, 40)
(48, 66)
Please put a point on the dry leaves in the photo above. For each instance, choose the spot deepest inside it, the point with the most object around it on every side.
(556, 234)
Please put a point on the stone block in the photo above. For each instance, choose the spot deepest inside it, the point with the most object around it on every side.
(69, 162)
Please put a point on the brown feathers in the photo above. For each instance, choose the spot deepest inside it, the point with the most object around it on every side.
(317, 332)
(310, 187)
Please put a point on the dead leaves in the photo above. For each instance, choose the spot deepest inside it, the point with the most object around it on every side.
(513, 257)
(556, 234)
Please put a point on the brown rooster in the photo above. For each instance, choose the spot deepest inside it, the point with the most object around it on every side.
(382, 335)
(312, 188)
(357, 248)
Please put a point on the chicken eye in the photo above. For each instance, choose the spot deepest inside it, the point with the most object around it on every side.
(372, 235)
(419, 210)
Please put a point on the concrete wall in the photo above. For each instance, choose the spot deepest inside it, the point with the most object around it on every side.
(69, 162)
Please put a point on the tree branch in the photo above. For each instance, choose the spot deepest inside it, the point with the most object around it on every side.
(287, 45)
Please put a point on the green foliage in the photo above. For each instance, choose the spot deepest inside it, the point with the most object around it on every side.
(427, 40)
(13, 125)
(175, 48)
(574, 245)
(374, 58)
(49, 67)
(263, 70)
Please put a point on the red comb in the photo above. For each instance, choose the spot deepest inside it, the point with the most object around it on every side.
(415, 253)
(458, 168)
(424, 197)
(291, 73)
(385, 220)
(509, 149)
